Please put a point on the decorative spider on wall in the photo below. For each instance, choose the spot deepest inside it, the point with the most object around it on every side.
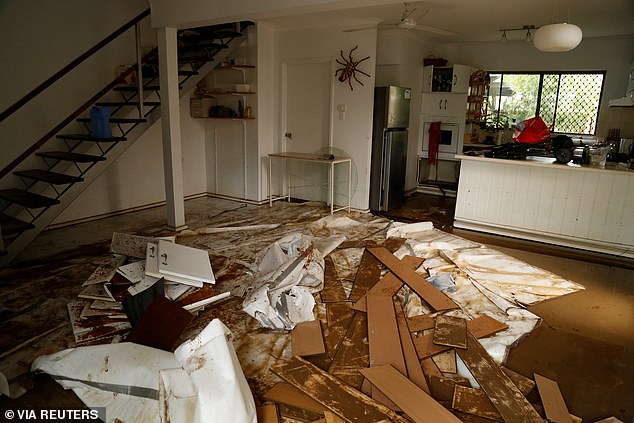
(349, 69)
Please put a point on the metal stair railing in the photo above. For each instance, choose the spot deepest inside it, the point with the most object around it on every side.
(126, 126)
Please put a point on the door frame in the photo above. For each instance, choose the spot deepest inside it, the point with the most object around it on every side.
(284, 91)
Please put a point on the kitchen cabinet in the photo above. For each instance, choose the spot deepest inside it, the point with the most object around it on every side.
(444, 104)
(576, 206)
(454, 79)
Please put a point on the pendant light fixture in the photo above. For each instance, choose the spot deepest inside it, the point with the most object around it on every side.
(557, 37)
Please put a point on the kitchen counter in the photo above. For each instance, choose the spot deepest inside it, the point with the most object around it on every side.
(538, 199)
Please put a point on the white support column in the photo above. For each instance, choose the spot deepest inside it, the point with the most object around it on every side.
(170, 121)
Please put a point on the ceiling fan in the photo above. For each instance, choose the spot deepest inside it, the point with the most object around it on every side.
(409, 20)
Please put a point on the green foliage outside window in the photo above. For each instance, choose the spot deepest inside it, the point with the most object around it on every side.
(570, 100)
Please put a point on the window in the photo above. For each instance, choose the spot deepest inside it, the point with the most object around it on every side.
(569, 100)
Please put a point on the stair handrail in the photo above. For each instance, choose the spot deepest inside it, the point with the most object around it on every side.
(120, 79)
(50, 81)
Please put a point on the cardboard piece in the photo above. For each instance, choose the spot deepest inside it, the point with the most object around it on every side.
(552, 399)
(161, 325)
(506, 397)
(436, 299)
(106, 270)
(450, 331)
(331, 392)
(307, 339)
(418, 405)
(130, 245)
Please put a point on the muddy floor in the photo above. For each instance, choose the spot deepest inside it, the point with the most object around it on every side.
(585, 341)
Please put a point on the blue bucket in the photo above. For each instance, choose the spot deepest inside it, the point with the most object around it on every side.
(100, 122)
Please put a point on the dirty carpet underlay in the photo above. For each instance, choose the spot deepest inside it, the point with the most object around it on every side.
(369, 303)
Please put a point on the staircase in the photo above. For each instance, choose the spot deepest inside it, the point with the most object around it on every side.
(58, 169)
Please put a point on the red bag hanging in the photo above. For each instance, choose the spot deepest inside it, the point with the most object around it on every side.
(532, 130)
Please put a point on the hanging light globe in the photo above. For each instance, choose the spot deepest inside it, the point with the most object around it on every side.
(557, 37)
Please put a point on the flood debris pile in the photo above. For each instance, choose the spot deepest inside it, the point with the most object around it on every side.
(147, 290)
(328, 319)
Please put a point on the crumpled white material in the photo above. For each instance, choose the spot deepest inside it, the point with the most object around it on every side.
(201, 382)
(210, 385)
(290, 270)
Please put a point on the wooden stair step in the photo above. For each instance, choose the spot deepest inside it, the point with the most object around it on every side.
(11, 225)
(89, 137)
(27, 199)
(148, 73)
(116, 120)
(127, 103)
(71, 157)
(50, 177)
(201, 47)
(135, 88)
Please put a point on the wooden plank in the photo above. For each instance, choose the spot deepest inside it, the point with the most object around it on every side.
(430, 368)
(389, 284)
(333, 289)
(435, 298)
(268, 413)
(285, 393)
(332, 417)
(450, 331)
(339, 317)
(484, 325)
(414, 370)
(474, 401)
(446, 361)
(353, 353)
(418, 405)
(552, 400)
(481, 327)
(295, 414)
(421, 322)
(506, 397)
(442, 387)
(524, 383)
(383, 339)
(368, 274)
(332, 393)
(307, 339)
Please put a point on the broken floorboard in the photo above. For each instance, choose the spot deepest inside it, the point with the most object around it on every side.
(332, 393)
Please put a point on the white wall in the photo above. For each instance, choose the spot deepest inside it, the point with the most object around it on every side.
(353, 135)
(136, 178)
(39, 38)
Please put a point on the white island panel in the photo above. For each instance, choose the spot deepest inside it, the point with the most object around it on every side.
(571, 205)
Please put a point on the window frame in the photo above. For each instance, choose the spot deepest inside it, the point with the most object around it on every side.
(540, 85)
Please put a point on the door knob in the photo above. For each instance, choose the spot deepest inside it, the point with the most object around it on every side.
(288, 135)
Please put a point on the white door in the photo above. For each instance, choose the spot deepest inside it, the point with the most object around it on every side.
(307, 106)
(306, 126)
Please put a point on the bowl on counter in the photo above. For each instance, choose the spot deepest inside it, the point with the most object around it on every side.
(243, 88)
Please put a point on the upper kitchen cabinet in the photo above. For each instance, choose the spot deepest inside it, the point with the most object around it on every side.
(454, 79)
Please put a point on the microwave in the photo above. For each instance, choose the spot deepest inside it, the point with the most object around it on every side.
(449, 140)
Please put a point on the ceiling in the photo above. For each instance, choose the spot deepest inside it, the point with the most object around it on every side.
(477, 20)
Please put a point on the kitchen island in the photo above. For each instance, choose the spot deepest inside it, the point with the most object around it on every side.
(538, 199)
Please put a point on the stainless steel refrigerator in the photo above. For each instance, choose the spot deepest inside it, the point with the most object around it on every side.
(389, 147)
